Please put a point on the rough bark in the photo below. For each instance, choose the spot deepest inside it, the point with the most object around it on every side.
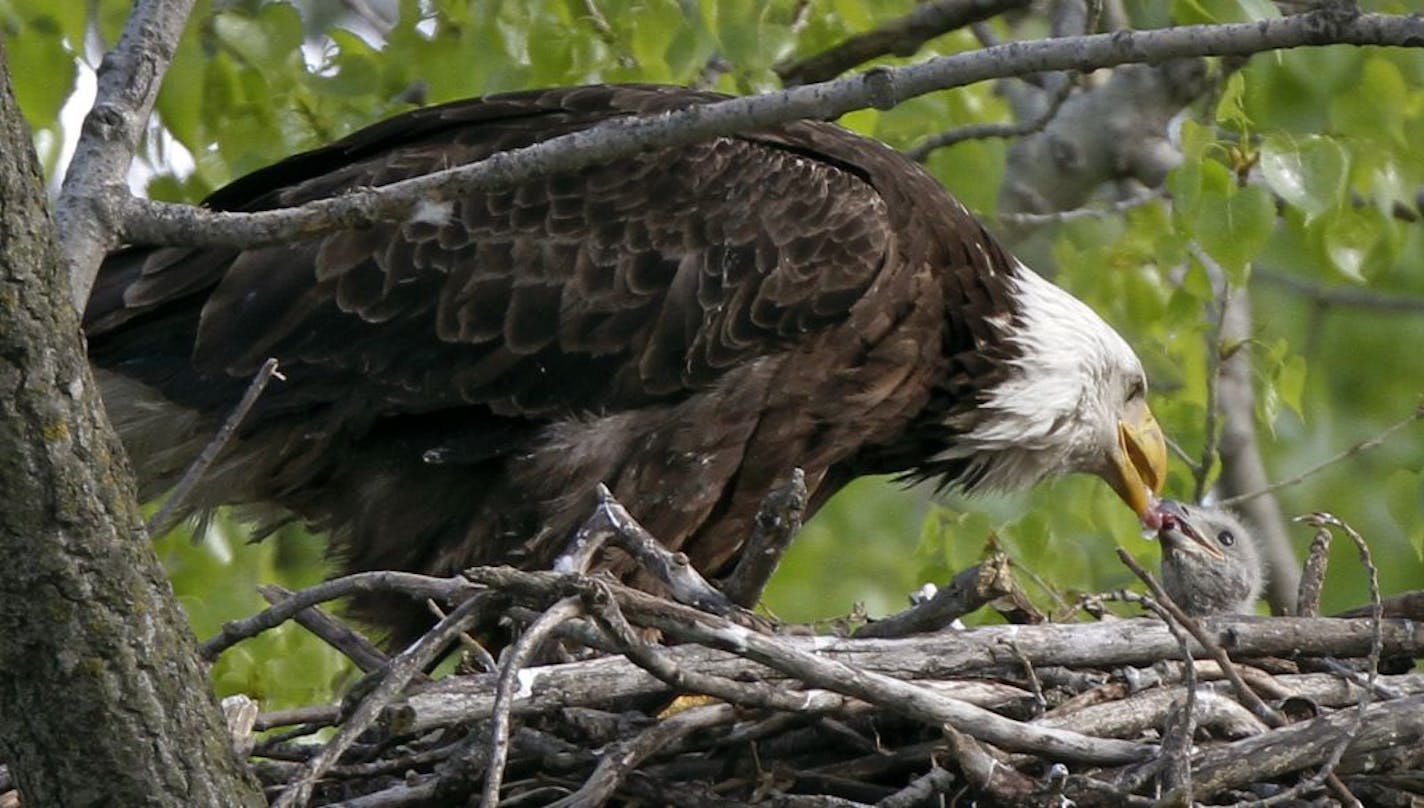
(102, 699)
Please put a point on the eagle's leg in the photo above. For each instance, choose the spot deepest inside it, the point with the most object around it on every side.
(581, 553)
(611, 523)
(777, 523)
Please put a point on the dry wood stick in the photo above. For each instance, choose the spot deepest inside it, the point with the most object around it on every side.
(167, 516)
(918, 703)
(966, 592)
(343, 638)
(515, 660)
(405, 665)
(409, 583)
(617, 763)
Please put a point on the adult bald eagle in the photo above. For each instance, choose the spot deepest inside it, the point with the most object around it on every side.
(685, 325)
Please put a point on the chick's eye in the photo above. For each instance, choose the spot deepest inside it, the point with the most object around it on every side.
(1226, 538)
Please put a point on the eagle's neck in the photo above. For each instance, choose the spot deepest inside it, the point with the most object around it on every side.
(1033, 397)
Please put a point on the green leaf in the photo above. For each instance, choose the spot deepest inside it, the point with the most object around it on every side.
(1376, 107)
(265, 42)
(1232, 225)
(182, 102)
(888, 520)
(1348, 237)
(1309, 173)
(1186, 12)
(1196, 281)
(1231, 108)
(284, 667)
(1290, 383)
(42, 70)
(1403, 492)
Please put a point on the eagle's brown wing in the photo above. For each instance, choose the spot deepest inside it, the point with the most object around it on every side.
(616, 286)
(685, 325)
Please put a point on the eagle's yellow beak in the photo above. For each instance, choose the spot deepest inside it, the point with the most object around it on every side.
(1137, 467)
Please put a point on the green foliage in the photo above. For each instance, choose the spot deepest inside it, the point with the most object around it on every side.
(1293, 172)
(216, 579)
(1188, 12)
(867, 533)
(1307, 173)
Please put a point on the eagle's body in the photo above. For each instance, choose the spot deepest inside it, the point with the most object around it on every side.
(686, 325)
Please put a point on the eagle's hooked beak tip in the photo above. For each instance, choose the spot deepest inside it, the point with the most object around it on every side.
(1137, 466)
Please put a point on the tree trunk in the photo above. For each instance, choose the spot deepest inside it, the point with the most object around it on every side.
(102, 700)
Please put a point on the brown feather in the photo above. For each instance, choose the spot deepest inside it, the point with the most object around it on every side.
(685, 325)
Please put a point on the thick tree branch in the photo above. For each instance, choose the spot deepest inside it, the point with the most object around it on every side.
(409, 583)
(128, 82)
(102, 698)
(150, 222)
(912, 701)
(944, 655)
(1113, 130)
(1242, 468)
(1394, 723)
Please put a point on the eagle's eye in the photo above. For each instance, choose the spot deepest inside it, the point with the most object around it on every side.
(1226, 538)
(1136, 390)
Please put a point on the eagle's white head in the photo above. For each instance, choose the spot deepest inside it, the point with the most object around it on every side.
(1073, 399)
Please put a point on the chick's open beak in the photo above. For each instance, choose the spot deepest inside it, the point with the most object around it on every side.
(1137, 466)
(1178, 533)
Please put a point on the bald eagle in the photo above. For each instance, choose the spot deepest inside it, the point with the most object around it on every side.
(686, 326)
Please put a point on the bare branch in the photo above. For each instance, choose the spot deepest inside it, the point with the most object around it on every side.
(1216, 350)
(777, 522)
(1074, 214)
(323, 714)
(418, 586)
(612, 522)
(1243, 691)
(1343, 296)
(1308, 743)
(982, 131)
(617, 762)
(338, 635)
(1307, 602)
(901, 37)
(685, 680)
(156, 223)
(904, 698)
(168, 515)
(1115, 130)
(514, 662)
(128, 82)
(968, 591)
(1006, 785)
(1362, 446)
(922, 789)
(1407, 605)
